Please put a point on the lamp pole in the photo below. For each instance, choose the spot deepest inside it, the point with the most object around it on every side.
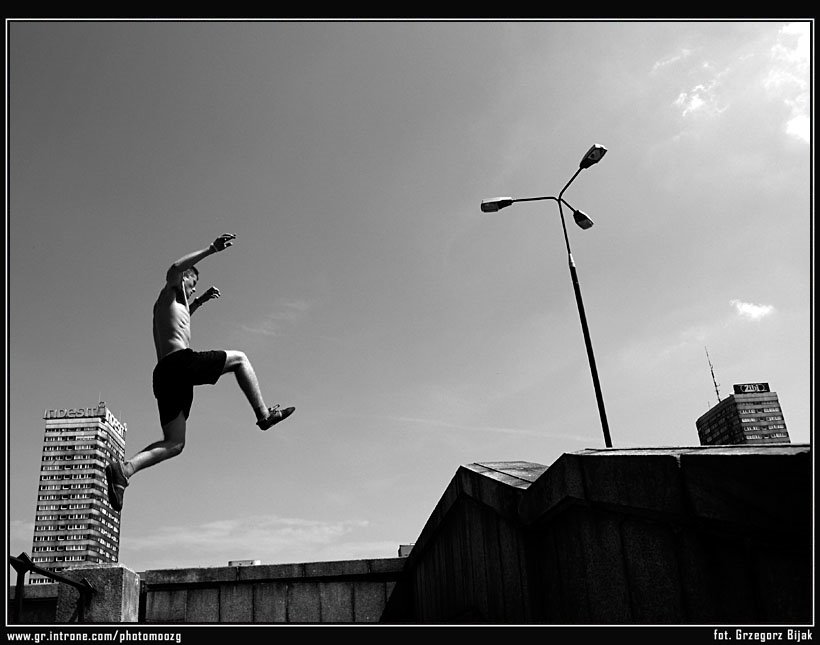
(593, 156)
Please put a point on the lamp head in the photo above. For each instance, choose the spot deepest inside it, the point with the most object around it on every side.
(593, 156)
(582, 220)
(495, 204)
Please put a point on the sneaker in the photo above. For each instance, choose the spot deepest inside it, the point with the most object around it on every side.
(117, 483)
(275, 415)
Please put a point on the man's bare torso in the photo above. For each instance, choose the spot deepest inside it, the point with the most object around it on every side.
(172, 321)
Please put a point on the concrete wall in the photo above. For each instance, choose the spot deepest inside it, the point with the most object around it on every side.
(39, 604)
(467, 564)
(351, 591)
(715, 535)
(347, 591)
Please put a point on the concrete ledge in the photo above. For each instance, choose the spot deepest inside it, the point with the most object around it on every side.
(39, 604)
(720, 483)
(267, 572)
(519, 474)
(271, 571)
(746, 486)
(36, 592)
(609, 478)
(342, 591)
(115, 600)
(189, 576)
(562, 483)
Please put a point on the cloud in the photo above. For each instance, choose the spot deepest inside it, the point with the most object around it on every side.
(438, 424)
(690, 102)
(783, 72)
(799, 127)
(286, 314)
(750, 310)
(650, 353)
(684, 53)
(788, 77)
(701, 99)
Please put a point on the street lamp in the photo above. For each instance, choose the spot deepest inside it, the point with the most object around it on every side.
(593, 156)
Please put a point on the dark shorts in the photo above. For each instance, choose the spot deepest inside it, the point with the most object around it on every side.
(176, 375)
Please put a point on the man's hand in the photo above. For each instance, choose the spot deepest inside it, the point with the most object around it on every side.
(223, 242)
(210, 294)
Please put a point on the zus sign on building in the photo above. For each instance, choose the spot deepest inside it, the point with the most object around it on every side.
(75, 413)
(750, 388)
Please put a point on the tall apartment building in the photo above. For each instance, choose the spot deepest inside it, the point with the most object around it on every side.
(751, 415)
(74, 523)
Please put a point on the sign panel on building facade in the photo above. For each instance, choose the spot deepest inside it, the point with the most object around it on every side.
(747, 388)
(74, 413)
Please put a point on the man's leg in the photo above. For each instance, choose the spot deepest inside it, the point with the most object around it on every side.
(117, 473)
(170, 446)
(238, 363)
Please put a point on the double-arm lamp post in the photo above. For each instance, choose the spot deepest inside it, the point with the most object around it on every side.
(593, 156)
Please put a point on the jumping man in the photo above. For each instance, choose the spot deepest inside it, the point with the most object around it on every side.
(179, 369)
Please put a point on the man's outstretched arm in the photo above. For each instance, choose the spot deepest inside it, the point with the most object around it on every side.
(186, 262)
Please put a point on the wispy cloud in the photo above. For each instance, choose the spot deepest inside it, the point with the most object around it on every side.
(286, 313)
(684, 53)
(439, 424)
(750, 310)
(259, 534)
(649, 353)
(654, 352)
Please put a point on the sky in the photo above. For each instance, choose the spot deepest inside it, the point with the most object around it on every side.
(412, 332)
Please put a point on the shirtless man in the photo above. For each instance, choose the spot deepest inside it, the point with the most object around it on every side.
(179, 369)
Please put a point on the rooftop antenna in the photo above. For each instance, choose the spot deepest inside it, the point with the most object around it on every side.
(711, 369)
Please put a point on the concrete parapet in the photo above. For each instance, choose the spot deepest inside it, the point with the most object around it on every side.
(37, 607)
(752, 486)
(731, 484)
(619, 536)
(344, 591)
(115, 598)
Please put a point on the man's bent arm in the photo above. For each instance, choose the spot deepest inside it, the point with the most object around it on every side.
(196, 304)
(186, 262)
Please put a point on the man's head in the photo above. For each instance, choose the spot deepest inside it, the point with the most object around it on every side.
(189, 279)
